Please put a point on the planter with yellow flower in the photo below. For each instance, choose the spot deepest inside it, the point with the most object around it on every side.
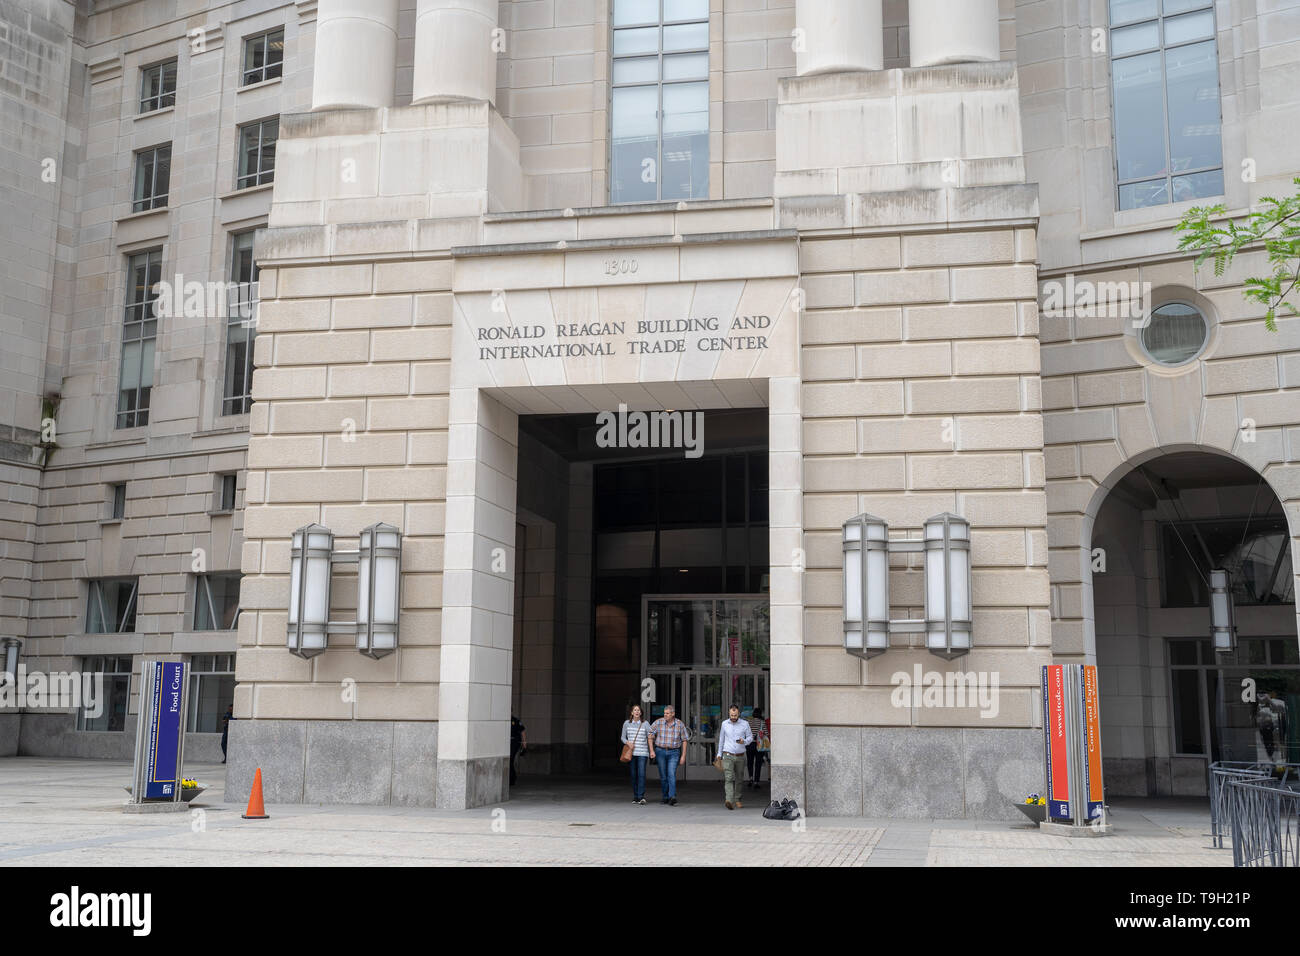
(189, 789)
(1034, 807)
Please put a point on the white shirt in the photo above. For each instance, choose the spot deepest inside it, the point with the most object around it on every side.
(734, 736)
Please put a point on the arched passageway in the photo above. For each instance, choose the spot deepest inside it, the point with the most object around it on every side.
(1171, 702)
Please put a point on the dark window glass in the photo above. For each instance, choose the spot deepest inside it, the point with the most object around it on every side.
(1256, 553)
(139, 332)
(152, 178)
(110, 606)
(241, 326)
(158, 86)
(216, 599)
(257, 153)
(1187, 712)
(263, 57)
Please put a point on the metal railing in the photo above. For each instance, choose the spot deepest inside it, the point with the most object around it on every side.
(1265, 822)
(1221, 774)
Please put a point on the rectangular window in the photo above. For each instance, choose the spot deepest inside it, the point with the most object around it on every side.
(216, 601)
(241, 327)
(1211, 715)
(158, 86)
(153, 173)
(226, 492)
(263, 57)
(110, 605)
(212, 690)
(1168, 119)
(117, 502)
(257, 152)
(139, 332)
(1256, 552)
(659, 101)
(111, 709)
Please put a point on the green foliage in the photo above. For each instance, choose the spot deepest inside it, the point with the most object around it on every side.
(1275, 226)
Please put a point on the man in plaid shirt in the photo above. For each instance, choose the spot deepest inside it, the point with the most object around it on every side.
(668, 737)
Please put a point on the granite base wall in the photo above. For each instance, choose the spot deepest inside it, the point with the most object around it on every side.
(56, 735)
(921, 773)
(373, 762)
(465, 784)
(1155, 776)
(9, 735)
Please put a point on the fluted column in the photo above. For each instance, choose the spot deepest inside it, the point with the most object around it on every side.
(455, 50)
(953, 31)
(839, 36)
(356, 54)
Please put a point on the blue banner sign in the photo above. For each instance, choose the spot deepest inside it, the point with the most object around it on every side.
(166, 724)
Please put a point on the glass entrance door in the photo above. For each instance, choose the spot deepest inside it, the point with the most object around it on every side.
(702, 654)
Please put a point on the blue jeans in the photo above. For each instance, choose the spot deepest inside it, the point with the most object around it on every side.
(637, 770)
(667, 761)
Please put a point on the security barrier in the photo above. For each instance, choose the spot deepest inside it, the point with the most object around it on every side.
(1265, 822)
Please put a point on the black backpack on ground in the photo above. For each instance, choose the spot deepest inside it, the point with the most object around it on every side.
(785, 810)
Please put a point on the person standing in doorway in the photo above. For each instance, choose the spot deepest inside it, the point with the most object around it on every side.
(225, 729)
(754, 756)
(668, 737)
(637, 733)
(518, 744)
(734, 736)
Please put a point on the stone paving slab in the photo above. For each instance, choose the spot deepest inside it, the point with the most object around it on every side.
(69, 813)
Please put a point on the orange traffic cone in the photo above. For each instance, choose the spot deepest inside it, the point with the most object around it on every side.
(255, 809)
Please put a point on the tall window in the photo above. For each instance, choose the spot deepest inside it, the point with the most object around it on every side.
(158, 86)
(1168, 123)
(139, 331)
(110, 606)
(117, 502)
(212, 690)
(117, 692)
(241, 326)
(1211, 715)
(153, 173)
(659, 102)
(216, 599)
(225, 492)
(263, 57)
(257, 152)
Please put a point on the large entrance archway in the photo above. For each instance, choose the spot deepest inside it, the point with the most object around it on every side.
(1172, 703)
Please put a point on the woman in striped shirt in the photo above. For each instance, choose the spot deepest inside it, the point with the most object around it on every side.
(637, 733)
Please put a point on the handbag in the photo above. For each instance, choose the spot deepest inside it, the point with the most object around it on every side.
(626, 755)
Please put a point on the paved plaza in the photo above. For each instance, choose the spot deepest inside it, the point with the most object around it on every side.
(65, 812)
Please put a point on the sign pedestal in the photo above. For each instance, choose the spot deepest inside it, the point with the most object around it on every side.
(1072, 751)
(158, 776)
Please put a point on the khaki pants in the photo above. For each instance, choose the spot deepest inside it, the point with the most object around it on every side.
(733, 776)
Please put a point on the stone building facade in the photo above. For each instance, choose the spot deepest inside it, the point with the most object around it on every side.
(852, 259)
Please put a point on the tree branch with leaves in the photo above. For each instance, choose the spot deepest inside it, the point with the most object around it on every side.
(1275, 226)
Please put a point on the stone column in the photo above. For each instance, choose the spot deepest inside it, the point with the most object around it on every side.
(455, 50)
(839, 36)
(356, 54)
(477, 602)
(953, 31)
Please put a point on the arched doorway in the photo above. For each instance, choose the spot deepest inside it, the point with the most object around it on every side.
(1171, 701)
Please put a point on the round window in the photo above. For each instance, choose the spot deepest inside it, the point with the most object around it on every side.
(1176, 334)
